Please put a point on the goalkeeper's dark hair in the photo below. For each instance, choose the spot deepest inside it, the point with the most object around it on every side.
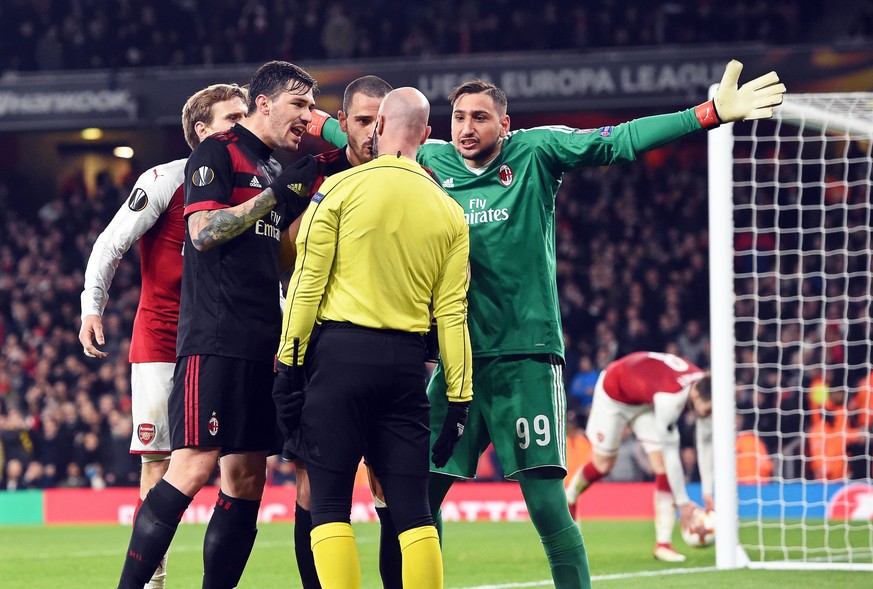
(481, 87)
(275, 77)
(372, 86)
(198, 108)
(704, 387)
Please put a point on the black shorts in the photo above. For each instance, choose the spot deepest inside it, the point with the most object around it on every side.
(221, 402)
(365, 396)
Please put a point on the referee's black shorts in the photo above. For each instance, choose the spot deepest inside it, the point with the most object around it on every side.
(365, 396)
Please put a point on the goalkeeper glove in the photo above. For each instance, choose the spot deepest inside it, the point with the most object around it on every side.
(753, 100)
(317, 122)
(295, 182)
(288, 397)
(453, 429)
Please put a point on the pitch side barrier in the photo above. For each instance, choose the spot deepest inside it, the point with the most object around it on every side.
(465, 502)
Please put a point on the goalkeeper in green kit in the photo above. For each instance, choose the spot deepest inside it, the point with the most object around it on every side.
(507, 182)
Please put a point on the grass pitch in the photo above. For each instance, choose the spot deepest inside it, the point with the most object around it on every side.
(480, 555)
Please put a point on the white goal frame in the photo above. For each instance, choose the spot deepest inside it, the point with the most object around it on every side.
(730, 553)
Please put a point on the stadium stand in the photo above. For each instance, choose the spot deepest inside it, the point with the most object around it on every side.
(172, 33)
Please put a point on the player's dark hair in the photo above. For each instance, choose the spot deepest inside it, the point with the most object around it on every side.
(704, 387)
(481, 87)
(198, 108)
(275, 77)
(372, 86)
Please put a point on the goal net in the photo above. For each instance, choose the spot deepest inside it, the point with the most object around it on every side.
(791, 264)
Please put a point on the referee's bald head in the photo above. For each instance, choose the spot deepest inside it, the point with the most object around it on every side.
(402, 122)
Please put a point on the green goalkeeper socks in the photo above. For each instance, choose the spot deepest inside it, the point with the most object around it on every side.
(561, 538)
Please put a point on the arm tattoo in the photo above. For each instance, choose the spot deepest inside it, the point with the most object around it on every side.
(219, 226)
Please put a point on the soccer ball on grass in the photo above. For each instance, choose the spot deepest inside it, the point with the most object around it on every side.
(702, 531)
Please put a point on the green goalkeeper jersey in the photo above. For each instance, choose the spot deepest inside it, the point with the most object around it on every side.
(510, 208)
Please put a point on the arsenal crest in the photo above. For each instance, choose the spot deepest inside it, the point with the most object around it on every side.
(146, 433)
(212, 426)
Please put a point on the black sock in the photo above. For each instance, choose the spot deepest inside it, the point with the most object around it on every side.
(303, 548)
(390, 559)
(153, 530)
(228, 543)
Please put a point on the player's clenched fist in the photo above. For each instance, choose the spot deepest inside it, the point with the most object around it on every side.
(296, 180)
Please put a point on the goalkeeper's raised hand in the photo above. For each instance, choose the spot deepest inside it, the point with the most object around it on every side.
(317, 123)
(753, 100)
(453, 429)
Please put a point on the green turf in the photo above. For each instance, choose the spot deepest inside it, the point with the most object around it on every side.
(476, 554)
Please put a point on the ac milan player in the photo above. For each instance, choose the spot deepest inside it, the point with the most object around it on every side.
(649, 392)
(153, 215)
(238, 202)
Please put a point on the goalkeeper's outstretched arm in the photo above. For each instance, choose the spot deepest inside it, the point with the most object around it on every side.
(755, 99)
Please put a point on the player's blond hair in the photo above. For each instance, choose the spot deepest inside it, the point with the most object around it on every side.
(481, 87)
(198, 108)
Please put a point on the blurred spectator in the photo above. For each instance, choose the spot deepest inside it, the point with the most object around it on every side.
(692, 343)
(13, 478)
(489, 469)
(73, 478)
(581, 390)
(753, 462)
(108, 34)
(578, 446)
(828, 437)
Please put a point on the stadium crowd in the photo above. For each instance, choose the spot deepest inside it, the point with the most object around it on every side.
(84, 34)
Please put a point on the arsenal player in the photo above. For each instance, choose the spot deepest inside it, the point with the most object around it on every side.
(649, 391)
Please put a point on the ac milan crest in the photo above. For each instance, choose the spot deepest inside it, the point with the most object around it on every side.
(212, 426)
(145, 432)
(505, 174)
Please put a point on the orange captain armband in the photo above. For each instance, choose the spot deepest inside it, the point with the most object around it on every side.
(317, 122)
(706, 115)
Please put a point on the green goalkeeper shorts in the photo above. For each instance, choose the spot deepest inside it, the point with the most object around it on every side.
(520, 406)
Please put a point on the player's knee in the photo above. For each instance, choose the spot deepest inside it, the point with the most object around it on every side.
(603, 463)
(190, 477)
(245, 485)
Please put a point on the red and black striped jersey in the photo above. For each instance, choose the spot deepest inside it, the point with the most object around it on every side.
(229, 305)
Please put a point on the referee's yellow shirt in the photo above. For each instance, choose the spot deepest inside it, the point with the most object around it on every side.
(377, 245)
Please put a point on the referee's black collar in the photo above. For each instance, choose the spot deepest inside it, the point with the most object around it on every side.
(261, 149)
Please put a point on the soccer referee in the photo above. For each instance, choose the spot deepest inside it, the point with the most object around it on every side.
(378, 244)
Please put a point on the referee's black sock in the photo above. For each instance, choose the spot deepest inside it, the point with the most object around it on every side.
(153, 530)
(390, 560)
(228, 543)
(303, 548)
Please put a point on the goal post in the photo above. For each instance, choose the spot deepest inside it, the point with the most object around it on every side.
(791, 298)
